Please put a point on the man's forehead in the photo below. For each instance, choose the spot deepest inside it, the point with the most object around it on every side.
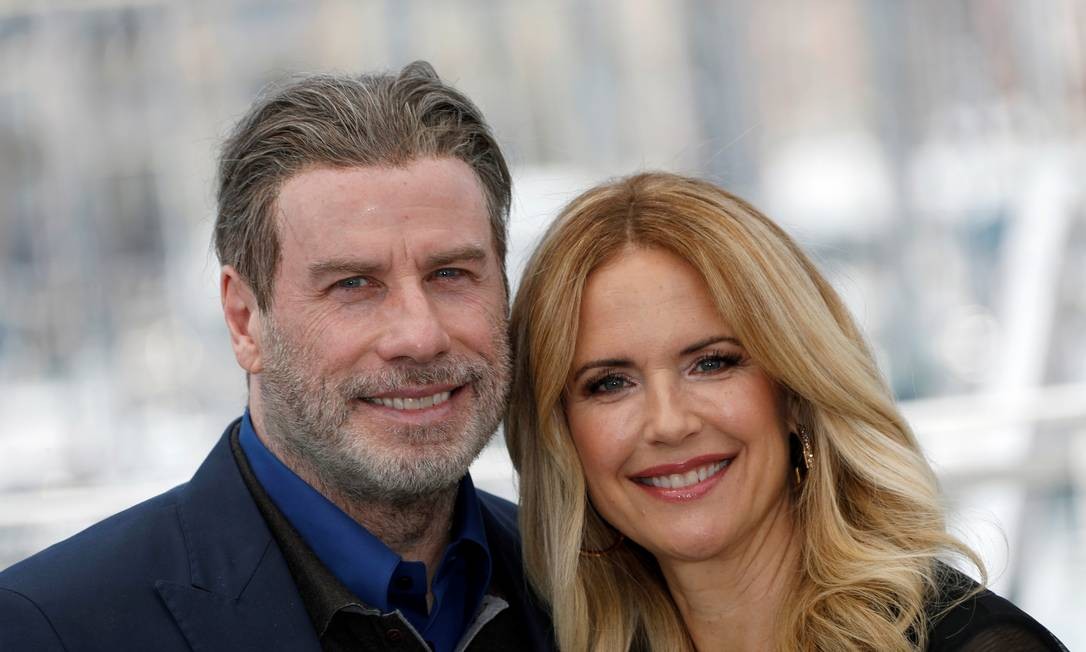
(364, 190)
(428, 205)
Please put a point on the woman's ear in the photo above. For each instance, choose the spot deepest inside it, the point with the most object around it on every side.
(792, 408)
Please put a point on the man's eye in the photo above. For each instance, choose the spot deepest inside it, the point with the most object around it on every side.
(449, 272)
(353, 283)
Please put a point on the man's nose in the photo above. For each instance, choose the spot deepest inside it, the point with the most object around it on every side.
(668, 418)
(413, 329)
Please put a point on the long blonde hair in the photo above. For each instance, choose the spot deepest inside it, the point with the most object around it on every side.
(869, 513)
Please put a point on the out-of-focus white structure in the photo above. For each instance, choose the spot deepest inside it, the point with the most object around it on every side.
(928, 154)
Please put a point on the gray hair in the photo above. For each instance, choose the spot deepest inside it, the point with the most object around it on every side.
(343, 121)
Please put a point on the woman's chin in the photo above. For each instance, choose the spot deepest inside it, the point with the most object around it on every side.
(679, 547)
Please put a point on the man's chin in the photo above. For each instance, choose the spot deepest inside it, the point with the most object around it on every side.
(407, 454)
(404, 475)
(395, 435)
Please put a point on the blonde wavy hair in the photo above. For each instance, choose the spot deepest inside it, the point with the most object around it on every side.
(869, 513)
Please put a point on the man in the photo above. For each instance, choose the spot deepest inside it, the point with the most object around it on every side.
(361, 231)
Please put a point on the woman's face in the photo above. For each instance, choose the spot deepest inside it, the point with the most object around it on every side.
(681, 435)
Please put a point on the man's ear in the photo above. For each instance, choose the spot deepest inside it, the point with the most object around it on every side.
(243, 319)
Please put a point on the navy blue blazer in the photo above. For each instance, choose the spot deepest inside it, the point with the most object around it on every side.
(193, 568)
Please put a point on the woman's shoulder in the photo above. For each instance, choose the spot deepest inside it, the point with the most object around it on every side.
(981, 621)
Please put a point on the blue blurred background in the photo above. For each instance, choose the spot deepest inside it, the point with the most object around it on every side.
(929, 154)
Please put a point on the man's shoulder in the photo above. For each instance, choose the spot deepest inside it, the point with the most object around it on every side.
(121, 583)
(500, 517)
(96, 588)
(498, 507)
(104, 554)
(144, 540)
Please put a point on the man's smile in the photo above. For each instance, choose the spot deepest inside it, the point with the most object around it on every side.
(412, 399)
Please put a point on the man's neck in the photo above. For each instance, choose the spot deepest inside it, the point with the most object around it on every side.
(417, 529)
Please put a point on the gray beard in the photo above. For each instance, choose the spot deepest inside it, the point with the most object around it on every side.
(307, 419)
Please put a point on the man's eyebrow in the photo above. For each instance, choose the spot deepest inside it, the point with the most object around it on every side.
(709, 341)
(338, 266)
(458, 255)
(356, 267)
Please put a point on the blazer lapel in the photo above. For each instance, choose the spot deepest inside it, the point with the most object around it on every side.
(241, 596)
(503, 539)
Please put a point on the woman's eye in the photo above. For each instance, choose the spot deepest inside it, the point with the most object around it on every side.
(714, 363)
(607, 384)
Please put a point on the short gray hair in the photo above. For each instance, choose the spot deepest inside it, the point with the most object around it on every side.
(344, 121)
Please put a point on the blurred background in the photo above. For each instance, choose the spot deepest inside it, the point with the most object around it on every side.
(929, 154)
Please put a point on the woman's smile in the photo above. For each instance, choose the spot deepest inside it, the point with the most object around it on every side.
(685, 481)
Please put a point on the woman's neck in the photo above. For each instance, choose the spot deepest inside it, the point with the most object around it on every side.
(733, 601)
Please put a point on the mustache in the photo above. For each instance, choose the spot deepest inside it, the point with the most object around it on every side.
(458, 371)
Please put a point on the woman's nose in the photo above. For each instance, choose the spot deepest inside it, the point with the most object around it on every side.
(669, 418)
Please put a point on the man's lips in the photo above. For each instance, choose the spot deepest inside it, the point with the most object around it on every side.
(685, 474)
(413, 398)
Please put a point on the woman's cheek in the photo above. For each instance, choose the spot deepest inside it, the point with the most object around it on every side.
(602, 436)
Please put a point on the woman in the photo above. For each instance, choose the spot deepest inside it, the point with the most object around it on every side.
(708, 456)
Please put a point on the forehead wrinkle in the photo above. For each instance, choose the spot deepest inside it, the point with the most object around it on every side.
(403, 242)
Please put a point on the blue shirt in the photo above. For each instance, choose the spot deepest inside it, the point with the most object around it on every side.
(366, 566)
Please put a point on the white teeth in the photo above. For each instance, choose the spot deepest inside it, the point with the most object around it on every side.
(688, 479)
(408, 404)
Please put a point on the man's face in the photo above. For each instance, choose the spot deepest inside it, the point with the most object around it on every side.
(385, 363)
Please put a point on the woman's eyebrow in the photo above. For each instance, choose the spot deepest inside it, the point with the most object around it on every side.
(709, 341)
(625, 362)
(603, 362)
